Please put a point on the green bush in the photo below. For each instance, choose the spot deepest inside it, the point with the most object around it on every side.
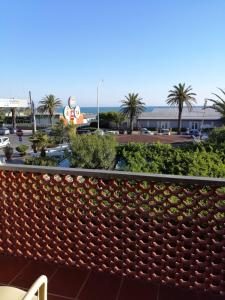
(22, 149)
(158, 158)
(8, 151)
(42, 161)
(206, 164)
(61, 132)
(93, 151)
(217, 136)
(40, 140)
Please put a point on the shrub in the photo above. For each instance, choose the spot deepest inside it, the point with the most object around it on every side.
(42, 161)
(8, 151)
(40, 140)
(206, 164)
(22, 149)
(93, 151)
(164, 159)
(217, 136)
(61, 132)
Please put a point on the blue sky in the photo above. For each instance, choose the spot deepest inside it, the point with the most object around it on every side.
(65, 47)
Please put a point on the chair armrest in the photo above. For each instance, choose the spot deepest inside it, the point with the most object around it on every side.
(39, 285)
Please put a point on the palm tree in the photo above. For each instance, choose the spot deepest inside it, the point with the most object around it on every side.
(219, 103)
(48, 105)
(131, 107)
(13, 112)
(181, 96)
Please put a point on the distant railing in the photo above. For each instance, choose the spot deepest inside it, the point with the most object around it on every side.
(154, 227)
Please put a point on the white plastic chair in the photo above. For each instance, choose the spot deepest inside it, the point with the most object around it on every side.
(40, 286)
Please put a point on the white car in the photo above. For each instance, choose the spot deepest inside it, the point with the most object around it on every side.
(146, 131)
(99, 132)
(204, 137)
(165, 131)
(112, 132)
(4, 141)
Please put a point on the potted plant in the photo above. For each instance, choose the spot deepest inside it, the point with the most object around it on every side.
(8, 152)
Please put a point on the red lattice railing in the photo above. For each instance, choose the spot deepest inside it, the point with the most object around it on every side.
(164, 228)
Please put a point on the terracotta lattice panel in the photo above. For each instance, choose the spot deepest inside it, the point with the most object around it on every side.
(155, 230)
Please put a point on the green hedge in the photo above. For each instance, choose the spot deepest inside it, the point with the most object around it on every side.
(42, 161)
(196, 160)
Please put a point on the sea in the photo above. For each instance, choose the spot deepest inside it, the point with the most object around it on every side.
(93, 110)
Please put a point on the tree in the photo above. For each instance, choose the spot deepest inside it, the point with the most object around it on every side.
(118, 118)
(219, 103)
(48, 105)
(131, 107)
(179, 97)
(111, 119)
(40, 141)
(13, 111)
(61, 132)
(2, 115)
(93, 151)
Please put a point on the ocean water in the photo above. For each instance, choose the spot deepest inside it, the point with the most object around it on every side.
(93, 110)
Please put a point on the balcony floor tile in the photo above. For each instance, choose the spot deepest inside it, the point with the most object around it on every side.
(31, 272)
(67, 281)
(77, 284)
(10, 267)
(100, 286)
(57, 297)
(137, 289)
(174, 293)
(209, 296)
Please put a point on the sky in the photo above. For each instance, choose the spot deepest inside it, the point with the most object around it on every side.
(65, 47)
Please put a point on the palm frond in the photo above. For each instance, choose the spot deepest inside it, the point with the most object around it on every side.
(219, 103)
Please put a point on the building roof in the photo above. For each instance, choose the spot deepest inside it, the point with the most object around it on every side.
(171, 113)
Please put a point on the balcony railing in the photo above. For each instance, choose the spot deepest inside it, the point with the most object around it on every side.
(168, 229)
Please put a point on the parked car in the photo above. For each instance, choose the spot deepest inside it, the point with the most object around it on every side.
(194, 132)
(48, 131)
(83, 131)
(204, 136)
(4, 141)
(121, 131)
(146, 131)
(12, 130)
(4, 131)
(112, 132)
(165, 131)
(99, 132)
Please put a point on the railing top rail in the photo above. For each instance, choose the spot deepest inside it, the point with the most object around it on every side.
(108, 174)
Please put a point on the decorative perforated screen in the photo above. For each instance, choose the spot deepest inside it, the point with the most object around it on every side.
(169, 229)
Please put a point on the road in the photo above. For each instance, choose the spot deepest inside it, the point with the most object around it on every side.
(14, 141)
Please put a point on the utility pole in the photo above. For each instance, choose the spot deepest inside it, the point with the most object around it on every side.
(98, 121)
(203, 117)
(32, 114)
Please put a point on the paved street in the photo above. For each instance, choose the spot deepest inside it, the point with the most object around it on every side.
(14, 142)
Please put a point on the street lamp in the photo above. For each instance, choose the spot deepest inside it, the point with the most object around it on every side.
(101, 81)
(203, 117)
(32, 114)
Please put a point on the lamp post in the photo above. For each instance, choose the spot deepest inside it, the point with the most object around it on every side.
(203, 117)
(32, 114)
(101, 81)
